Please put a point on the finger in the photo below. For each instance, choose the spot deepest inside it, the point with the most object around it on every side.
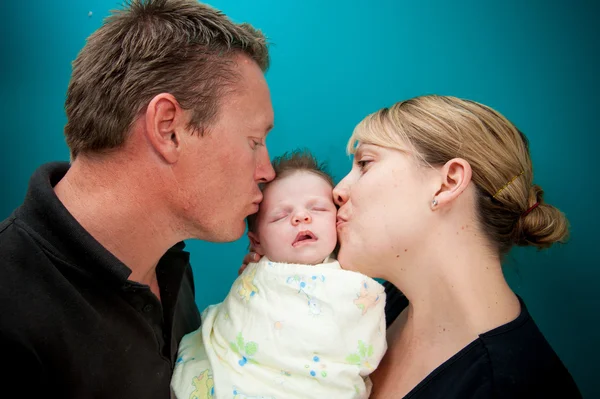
(251, 257)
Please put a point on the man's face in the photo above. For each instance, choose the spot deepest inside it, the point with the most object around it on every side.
(221, 169)
(296, 221)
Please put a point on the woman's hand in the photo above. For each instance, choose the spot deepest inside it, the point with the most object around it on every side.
(250, 257)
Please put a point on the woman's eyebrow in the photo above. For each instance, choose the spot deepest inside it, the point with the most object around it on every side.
(358, 152)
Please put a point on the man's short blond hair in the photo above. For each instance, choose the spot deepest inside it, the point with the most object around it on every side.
(180, 47)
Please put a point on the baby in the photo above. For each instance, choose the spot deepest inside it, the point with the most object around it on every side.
(294, 324)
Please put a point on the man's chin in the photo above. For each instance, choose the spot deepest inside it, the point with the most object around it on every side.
(222, 234)
(234, 234)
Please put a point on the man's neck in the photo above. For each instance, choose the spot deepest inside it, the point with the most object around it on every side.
(117, 208)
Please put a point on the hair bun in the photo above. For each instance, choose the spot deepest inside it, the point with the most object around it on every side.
(541, 225)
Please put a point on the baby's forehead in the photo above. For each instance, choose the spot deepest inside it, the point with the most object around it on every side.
(301, 180)
(300, 186)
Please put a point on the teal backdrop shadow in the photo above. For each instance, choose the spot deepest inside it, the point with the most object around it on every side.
(332, 64)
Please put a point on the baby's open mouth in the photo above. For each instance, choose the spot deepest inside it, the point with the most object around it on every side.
(304, 237)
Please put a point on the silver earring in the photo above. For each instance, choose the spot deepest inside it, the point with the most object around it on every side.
(434, 202)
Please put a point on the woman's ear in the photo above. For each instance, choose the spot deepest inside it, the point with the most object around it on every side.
(255, 243)
(456, 176)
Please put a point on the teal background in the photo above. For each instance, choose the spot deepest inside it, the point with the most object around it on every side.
(333, 63)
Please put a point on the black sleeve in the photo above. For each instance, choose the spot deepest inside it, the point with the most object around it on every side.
(395, 302)
(22, 370)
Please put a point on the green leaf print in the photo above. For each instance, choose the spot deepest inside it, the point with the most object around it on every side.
(251, 348)
(361, 359)
(362, 349)
(353, 359)
(240, 342)
(245, 350)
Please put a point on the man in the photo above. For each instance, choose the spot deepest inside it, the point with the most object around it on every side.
(168, 111)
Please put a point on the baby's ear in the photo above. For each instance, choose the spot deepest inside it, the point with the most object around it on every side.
(255, 243)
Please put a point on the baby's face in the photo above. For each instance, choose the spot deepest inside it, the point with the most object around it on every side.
(296, 220)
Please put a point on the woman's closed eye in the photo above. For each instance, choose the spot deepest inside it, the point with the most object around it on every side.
(363, 163)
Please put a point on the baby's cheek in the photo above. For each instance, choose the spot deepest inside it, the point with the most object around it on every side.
(333, 237)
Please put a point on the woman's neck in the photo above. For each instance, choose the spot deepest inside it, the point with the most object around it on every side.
(458, 288)
(452, 300)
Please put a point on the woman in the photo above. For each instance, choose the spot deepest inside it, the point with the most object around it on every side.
(439, 191)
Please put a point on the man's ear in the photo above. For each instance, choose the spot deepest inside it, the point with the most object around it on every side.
(456, 175)
(255, 243)
(165, 126)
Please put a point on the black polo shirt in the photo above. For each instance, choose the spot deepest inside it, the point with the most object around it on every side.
(512, 361)
(71, 323)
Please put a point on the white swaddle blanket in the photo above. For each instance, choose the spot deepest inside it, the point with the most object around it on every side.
(286, 331)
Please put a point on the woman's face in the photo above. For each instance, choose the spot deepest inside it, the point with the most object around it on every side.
(385, 208)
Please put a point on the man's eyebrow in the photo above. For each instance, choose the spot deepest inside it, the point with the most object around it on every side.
(269, 128)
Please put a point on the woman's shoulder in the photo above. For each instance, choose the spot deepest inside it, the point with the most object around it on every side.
(524, 363)
(467, 374)
(513, 361)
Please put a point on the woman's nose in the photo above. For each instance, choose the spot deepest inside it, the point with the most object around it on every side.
(340, 193)
(301, 217)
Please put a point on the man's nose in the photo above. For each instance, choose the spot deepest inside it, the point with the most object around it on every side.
(264, 172)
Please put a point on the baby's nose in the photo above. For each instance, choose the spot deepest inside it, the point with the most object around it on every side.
(301, 217)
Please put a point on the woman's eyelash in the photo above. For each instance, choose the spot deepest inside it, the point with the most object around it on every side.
(362, 163)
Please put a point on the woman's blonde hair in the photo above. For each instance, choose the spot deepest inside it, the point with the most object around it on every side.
(439, 128)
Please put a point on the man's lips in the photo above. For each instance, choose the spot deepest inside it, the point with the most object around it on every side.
(256, 203)
(304, 236)
(340, 220)
(258, 200)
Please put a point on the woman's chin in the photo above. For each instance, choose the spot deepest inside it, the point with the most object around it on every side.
(345, 261)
